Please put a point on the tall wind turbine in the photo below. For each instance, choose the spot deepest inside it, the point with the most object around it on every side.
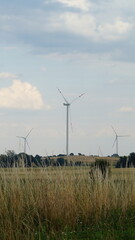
(67, 105)
(25, 140)
(116, 141)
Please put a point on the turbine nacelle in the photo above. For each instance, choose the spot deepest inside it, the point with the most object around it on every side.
(66, 104)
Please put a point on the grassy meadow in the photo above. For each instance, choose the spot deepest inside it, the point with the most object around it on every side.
(64, 203)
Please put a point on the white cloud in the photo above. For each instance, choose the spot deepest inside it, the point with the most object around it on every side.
(7, 48)
(80, 4)
(43, 69)
(21, 95)
(87, 26)
(114, 81)
(127, 109)
(82, 24)
(4, 75)
(114, 31)
(90, 24)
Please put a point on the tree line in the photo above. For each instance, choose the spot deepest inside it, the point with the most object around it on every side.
(11, 159)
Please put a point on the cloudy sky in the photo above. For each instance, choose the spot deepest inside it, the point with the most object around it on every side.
(79, 46)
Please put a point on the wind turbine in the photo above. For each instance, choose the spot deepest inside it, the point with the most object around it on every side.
(67, 105)
(116, 141)
(100, 152)
(25, 140)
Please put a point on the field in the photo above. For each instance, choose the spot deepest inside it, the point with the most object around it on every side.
(64, 203)
(88, 159)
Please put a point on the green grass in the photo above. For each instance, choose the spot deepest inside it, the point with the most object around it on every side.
(111, 228)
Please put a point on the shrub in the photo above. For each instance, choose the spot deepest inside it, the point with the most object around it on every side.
(61, 162)
(102, 166)
(125, 161)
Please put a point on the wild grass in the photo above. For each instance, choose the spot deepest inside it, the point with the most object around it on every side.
(64, 203)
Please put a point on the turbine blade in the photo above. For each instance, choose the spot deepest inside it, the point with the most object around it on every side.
(114, 130)
(114, 141)
(77, 98)
(123, 135)
(27, 144)
(63, 96)
(29, 133)
(20, 137)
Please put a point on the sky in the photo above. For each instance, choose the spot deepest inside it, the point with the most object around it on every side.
(78, 46)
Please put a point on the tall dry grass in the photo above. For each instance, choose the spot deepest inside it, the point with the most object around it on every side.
(52, 199)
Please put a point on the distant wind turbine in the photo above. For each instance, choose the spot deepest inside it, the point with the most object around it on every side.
(25, 140)
(67, 105)
(100, 152)
(116, 141)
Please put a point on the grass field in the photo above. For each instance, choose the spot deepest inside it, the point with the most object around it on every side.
(64, 203)
(88, 159)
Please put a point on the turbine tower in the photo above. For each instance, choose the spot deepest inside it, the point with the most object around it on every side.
(25, 140)
(116, 141)
(67, 105)
(100, 152)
